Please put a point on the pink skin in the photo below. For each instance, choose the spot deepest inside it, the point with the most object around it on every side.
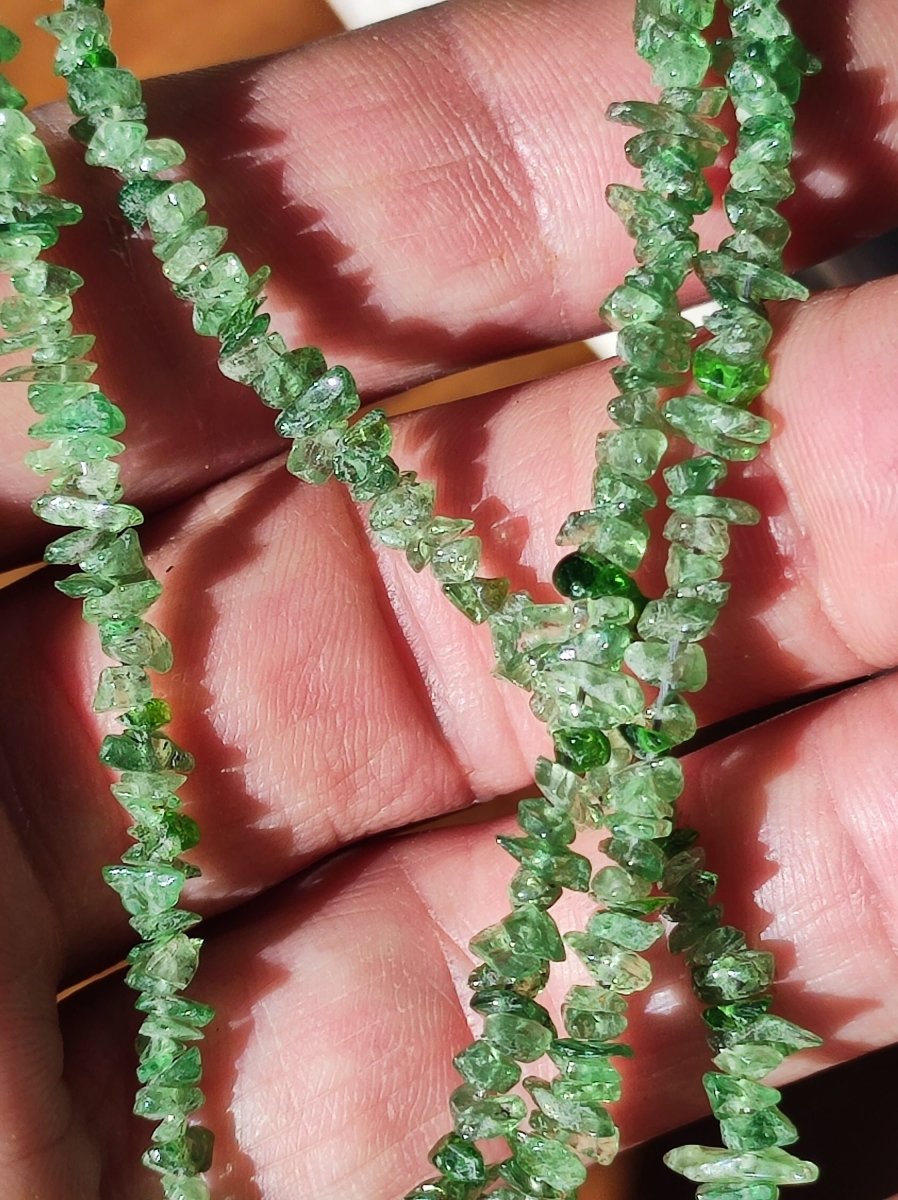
(430, 197)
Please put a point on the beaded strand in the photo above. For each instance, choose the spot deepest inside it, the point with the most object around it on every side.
(404, 508)
(116, 588)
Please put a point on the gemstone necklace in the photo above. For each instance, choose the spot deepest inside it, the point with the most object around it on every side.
(613, 729)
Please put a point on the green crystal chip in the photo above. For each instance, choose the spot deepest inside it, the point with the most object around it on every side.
(479, 1117)
(458, 1159)
(539, 1164)
(486, 1069)
(704, 1165)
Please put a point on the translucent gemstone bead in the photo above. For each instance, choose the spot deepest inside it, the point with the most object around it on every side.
(161, 968)
(120, 688)
(95, 480)
(18, 249)
(545, 821)
(735, 977)
(703, 1165)
(659, 663)
(143, 646)
(734, 512)
(157, 1103)
(675, 620)
(695, 476)
(547, 1164)
(478, 1117)
(120, 559)
(330, 398)
(749, 1061)
(612, 967)
(103, 90)
(636, 452)
(581, 749)
(637, 409)
(575, 1106)
(90, 514)
(91, 413)
(146, 889)
(626, 931)
(727, 381)
(156, 154)
(311, 458)
(659, 352)
(456, 561)
(180, 1188)
(519, 1038)
(679, 57)
(626, 304)
(689, 568)
(710, 535)
(720, 428)
(10, 97)
(486, 1069)
(639, 857)
(585, 575)
(188, 1156)
(738, 1191)
(609, 697)
(135, 198)
(169, 211)
(593, 1014)
(731, 1097)
(114, 142)
(458, 1159)
(477, 598)
(758, 1131)
(195, 253)
(726, 276)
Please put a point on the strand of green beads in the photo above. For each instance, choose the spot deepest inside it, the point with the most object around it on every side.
(676, 144)
(315, 402)
(764, 79)
(81, 425)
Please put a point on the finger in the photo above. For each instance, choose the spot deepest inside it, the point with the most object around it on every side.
(335, 694)
(430, 195)
(336, 1031)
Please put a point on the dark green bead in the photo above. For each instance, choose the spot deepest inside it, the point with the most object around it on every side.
(458, 1159)
(646, 743)
(584, 576)
(136, 195)
(581, 749)
(729, 382)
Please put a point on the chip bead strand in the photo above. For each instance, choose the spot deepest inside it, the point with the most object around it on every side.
(81, 426)
(764, 72)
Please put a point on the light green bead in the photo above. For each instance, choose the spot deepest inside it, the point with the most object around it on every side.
(114, 142)
(155, 155)
(538, 1164)
(90, 514)
(103, 91)
(749, 1061)
(735, 977)
(676, 620)
(18, 250)
(195, 253)
(158, 969)
(709, 535)
(96, 480)
(738, 1191)
(180, 1188)
(704, 1165)
(486, 1069)
(758, 1131)
(733, 433)
(478, 1117)
(120, 688)
(679, 57)
(636, 452)
(168, 212)
(610, 698)
(575, 1106)
(688, 568)
(656, 663)
(626, 931)
(124, 600)
(146, 889)
(144, 646)
(521, 1039)
(731, 1097)
(25, 165)
(620, 970)
(594, 1013)
(734, 512)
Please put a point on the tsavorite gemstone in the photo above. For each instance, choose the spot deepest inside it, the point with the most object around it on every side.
(620, 970)
(521, 1039)
(732, 1097)
(548, 1164)
(758, 1131)
(704, 1165)
(626, 931)
(590, 576)
(735, 977)
(146, 889)
(749, 1061)
(479, 1117)
(581, 749)
(646, 742)
(738, 1191)
(486, 1069)
(178, 1187)
(575, 1106)
(458, 1159)
(730, 382)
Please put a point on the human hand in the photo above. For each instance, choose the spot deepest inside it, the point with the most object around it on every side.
(430, 195)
